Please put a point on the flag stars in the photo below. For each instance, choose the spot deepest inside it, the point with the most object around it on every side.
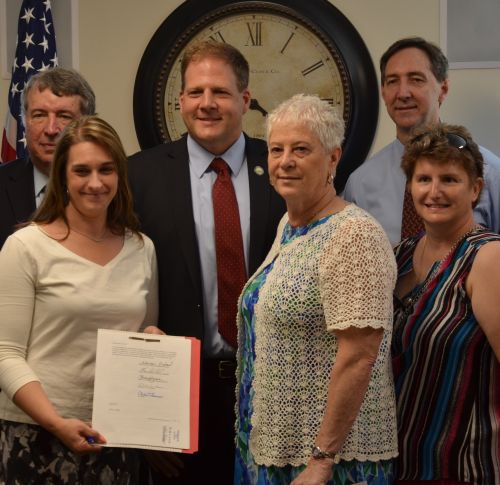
(46, 24)
(28, 14)
(14, 89)
(44, 67)
(27, 64)
(44, 44)
(35, 52)
(28, 40)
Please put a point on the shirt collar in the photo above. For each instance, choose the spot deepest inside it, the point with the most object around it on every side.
(40, 180)
(200, 159)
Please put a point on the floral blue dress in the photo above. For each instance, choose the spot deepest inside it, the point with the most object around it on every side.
(247, 472)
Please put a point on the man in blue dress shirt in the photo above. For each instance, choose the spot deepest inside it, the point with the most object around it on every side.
(414, 77)
(172, 186)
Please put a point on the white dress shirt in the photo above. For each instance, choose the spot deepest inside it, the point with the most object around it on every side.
(40, 180)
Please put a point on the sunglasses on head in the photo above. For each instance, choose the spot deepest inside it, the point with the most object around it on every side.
(456, 141)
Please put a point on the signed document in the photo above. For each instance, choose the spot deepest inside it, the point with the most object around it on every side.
(146, 391)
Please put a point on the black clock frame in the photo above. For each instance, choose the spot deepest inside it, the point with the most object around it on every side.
(361, 113)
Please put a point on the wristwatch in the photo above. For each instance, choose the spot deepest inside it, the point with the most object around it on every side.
(319, 454)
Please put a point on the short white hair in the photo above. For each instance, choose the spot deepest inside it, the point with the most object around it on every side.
(317, 115)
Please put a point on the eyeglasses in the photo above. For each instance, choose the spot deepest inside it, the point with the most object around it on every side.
(456, 141)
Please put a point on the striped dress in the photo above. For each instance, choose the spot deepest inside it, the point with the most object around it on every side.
(446, 374)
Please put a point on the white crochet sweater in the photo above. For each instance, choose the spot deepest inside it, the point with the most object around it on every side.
(340, 274)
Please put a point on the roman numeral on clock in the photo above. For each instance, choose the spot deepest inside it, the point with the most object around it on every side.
(255, 33)
(217, 37)
(312, 68)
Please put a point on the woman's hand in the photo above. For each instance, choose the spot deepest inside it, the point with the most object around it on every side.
(77, 436)
(153, 330)
(317, 472)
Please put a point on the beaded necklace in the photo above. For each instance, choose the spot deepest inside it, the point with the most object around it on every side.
(413, 297)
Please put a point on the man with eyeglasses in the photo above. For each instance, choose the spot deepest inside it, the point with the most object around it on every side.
(50, 100)
(414, 78)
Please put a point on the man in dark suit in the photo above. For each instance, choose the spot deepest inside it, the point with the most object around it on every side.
(172, 186)
(50, 100)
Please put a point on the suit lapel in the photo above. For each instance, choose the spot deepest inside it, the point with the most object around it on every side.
(182, 209)
(258, 178)
(182, 204)
(20, 190)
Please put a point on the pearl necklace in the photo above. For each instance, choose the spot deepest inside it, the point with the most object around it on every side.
(96, 240)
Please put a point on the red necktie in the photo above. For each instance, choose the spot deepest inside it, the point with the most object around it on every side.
(231, 273)
(411, 223)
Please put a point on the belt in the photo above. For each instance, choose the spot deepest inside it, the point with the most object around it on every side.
(220, 368)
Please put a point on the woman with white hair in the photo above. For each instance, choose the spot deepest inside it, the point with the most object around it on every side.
(315, 394)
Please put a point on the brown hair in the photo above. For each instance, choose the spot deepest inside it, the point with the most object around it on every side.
(219, 50)
(443, 143)
(437, 60)
(92, 129)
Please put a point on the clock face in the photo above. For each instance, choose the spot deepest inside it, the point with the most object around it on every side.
(286, 57)
(292, 46)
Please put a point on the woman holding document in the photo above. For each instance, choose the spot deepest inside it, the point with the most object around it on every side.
(80, 265)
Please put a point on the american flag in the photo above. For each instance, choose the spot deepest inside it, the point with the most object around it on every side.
(35, 52)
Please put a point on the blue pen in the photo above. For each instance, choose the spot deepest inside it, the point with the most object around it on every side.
(90, 440)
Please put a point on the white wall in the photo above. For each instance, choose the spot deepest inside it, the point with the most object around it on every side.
(113, 35)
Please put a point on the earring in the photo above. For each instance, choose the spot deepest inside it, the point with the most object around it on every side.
(329, 179)
(66, 196)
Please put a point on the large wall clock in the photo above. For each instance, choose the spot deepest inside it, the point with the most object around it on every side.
(292, 46)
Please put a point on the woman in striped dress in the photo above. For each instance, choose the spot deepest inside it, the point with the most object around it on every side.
(446, 341)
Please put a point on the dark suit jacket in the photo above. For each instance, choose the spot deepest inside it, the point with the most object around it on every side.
(17, 195)
(162, 195)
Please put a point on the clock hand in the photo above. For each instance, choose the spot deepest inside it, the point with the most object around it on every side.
(254, 104)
